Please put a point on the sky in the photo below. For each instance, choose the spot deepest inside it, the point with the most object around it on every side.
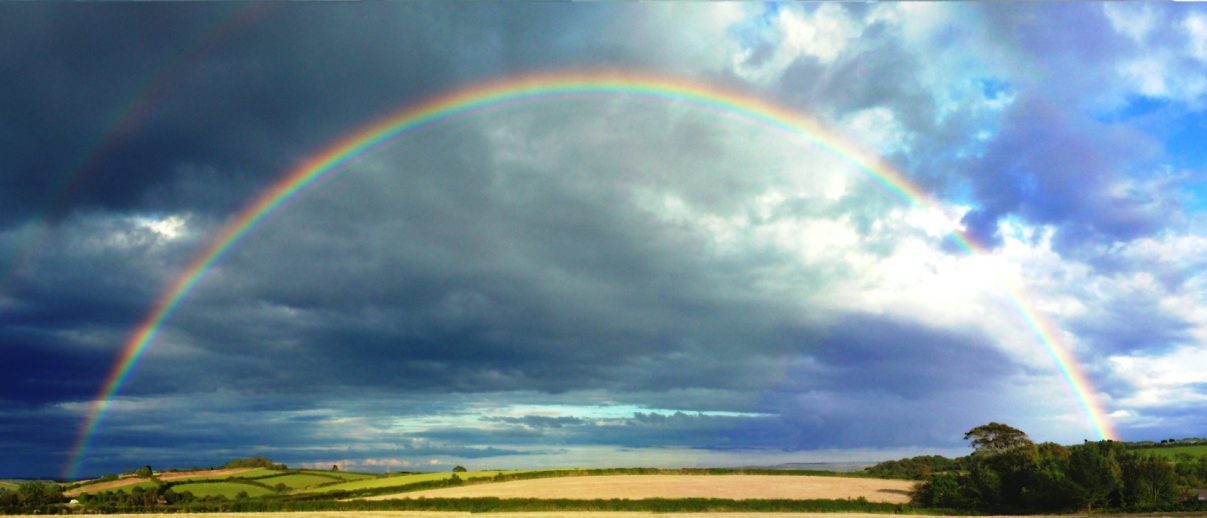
(598, 280)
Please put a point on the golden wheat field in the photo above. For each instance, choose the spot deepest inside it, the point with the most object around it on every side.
(634, 487)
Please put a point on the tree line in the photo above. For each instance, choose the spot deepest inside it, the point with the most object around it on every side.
(1009, 473)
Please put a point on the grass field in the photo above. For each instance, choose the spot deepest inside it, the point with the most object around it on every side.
(10, 486)
(1171, 452)
(737, 487)
(126, 485)
(397, 480)
(299, 480)
(226, 489)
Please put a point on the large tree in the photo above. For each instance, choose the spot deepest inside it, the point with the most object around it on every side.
(994, 438)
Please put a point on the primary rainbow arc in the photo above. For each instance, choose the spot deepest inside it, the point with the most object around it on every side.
(533, 88)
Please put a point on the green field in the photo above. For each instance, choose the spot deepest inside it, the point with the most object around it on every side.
(299, 480)
(1171, 452)
(396, 480)
(10, 486)
(226, 489)
(342, 475)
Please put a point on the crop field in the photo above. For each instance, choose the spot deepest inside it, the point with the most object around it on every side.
(226, 489)
(126, 485)
(397, 480)
(212, 474)
(342, 475)
(1171, 452)
(299, 480)
(129, 483)
(737, 487)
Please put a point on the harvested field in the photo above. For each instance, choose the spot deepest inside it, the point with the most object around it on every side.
(738, 487)
(555, 514)
(166, 476)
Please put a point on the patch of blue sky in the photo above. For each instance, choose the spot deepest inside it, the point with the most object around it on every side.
(759, 29)
(1187, 144)
(1134, 106)
(993, 88)
(615, 411)
(1186, 151)
(1183, 137)
(481, 417)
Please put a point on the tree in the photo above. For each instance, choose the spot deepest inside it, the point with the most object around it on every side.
(37, 493)
(996, 438)
(941, 490)
(1095, 473)
(459, 469)
(1149, 483)
(144, 471)
(335, 467)
(250, 462)
(1001, 467)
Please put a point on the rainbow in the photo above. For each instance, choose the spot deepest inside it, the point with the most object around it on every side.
(529, 89)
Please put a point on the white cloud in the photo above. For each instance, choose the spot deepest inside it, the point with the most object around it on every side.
(878, 129)
(1163, 380)
(1132, 20)
(1161, 68)
(167, 227)
(822, 35)
(1195, 25)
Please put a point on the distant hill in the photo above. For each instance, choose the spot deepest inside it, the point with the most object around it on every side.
(843, 467)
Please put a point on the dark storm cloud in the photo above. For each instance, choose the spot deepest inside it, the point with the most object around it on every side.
(883, 355)
(43, 370)
(899, 368)
(905, 371)
(240, 90)
(192, 109)
(423, 279)
(36, 439)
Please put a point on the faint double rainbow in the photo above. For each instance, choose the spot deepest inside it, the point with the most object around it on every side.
(530, 89)
(132, 115)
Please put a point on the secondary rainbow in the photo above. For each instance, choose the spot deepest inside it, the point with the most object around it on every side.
(531, 89)
(133, 115)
